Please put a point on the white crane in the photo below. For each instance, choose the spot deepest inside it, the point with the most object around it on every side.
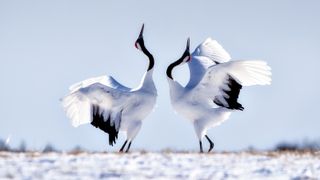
(214, 86)
(110, 106)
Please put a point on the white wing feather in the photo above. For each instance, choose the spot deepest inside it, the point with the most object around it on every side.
(105, 80)
(247, 73)
(212, 49)
(77, 108)
(110, 81)
(83, 95)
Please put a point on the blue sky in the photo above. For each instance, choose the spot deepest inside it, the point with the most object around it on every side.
(45, 46)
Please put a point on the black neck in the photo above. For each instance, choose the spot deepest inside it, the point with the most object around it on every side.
(186, 54)
(171, 66)
(147, 53)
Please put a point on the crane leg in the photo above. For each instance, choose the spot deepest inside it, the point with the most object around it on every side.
(211, 143)
(128, 147)
(121, 150)
(201, 150)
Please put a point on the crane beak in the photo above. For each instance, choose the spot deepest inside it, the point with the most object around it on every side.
(141, 32)
(187, 52)
(188, 45)
(186, 57)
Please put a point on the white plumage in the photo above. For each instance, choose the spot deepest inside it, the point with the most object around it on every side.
(109, 105)
(215, 83)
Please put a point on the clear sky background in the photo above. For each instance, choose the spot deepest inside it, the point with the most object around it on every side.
(45, 46)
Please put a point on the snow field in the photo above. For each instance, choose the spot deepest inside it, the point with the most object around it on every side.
(140, 165)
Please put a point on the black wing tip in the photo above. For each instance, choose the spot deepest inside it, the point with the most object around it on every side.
(113, 135)
(104, 124)
(236, 106)
(112, 139)
(233, 94)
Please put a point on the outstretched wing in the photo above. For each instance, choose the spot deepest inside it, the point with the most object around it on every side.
(222, 82)
(208, 53)
(105, 80)
(92, 101)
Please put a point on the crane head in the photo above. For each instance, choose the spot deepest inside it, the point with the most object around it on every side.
(139, 42)
(186, 57)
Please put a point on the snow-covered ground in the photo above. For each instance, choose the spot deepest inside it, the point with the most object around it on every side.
(139, 165)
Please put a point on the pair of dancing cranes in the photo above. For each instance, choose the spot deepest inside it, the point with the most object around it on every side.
(207, 100)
